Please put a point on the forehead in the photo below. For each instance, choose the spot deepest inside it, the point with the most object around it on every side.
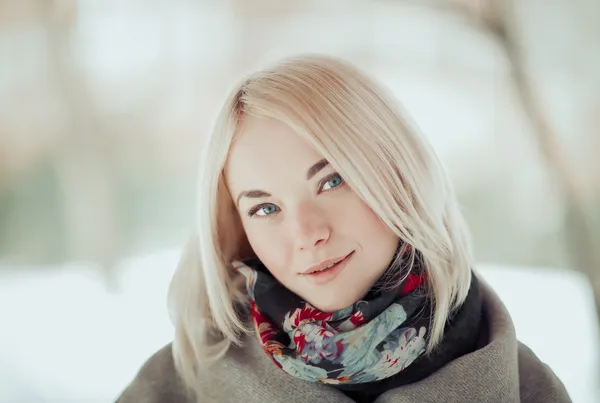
(264, 151)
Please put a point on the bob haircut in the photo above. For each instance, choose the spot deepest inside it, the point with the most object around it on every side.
(360, 129)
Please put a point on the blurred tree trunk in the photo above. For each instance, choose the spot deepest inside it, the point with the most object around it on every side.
(498, 19)
(86, 181)
(579, 232)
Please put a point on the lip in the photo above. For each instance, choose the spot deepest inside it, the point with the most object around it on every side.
(325, 263)
(321, 277)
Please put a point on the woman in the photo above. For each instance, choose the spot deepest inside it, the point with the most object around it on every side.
(331, 262)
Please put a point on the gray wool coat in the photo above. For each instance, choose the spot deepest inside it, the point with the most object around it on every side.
(502, 370)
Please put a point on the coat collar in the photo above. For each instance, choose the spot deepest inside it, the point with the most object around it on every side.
(490, 373)
(500, 370)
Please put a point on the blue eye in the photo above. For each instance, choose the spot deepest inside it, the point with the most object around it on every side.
(332, 181)
(262, 210)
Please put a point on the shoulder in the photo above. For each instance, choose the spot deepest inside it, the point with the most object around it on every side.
(156, 382)
(538, 383)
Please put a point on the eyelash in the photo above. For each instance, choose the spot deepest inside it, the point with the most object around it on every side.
(252, 212)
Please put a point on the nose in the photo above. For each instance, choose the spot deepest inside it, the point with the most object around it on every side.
(311, 227)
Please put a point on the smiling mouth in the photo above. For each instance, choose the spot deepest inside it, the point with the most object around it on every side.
(326, 265)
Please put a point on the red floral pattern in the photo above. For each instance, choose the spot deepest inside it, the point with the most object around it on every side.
(362, 343)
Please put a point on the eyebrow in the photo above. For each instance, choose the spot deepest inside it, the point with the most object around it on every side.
(256, 194)
(312, 171)
(253, 194)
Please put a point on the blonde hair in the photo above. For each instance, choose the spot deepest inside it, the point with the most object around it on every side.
(359, 128)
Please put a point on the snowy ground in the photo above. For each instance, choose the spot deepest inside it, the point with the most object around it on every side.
(65, 339)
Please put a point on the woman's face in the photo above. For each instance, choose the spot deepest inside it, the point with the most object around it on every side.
(300, 217)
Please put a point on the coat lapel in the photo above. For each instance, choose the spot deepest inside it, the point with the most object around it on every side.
(248, 375)
(490, 374)
(501, 370)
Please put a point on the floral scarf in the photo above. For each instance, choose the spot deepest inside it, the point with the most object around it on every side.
(371, 340)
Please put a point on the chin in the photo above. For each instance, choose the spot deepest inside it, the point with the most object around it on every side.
(334, 304)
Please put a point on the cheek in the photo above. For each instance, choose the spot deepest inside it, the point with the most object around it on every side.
(269, 247)
(358, 218)
(378, 243)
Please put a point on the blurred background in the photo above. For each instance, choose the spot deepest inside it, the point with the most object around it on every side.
(104, 107)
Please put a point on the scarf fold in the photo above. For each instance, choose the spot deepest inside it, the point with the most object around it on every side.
(461, 337)
(369, 341)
